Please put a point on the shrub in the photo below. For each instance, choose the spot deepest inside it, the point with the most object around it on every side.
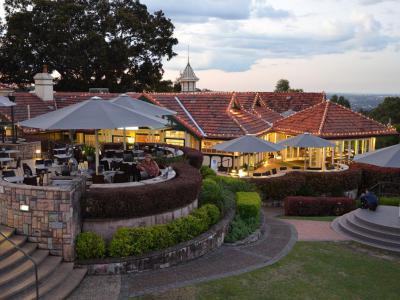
(140, 240)
(139, 201)
(240, 228)
(318, 206)
(308, 184)
(206, 172)
(90, 245)
(391, 201)
(371, 175)
(248, 205)
(235, 184)
(211, 192)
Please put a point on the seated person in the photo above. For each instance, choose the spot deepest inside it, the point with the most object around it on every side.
(149, 167)
(369, 200)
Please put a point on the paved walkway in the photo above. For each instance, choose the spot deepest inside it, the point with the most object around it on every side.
(277, 241)
(315, 231)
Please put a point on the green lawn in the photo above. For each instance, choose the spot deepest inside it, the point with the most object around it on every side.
(316, 218)
(313, 270)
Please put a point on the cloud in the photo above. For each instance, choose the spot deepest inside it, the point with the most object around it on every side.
(371, 2)
(236, 46)
(261, 9)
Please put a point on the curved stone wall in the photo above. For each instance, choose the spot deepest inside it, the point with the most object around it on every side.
(181, 253)
(107, 227)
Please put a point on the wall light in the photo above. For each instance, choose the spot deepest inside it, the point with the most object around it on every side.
(24, 207)
(38, 151)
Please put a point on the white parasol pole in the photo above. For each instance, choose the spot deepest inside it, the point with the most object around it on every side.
(96, 134)
(124, 131)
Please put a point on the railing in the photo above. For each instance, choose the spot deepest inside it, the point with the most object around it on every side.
(386, 188)
(28, 257)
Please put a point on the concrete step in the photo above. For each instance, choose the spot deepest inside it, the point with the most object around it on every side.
(7, 231)
(7, 248)
(45, 269)
(377, 226)
(372, 230)
(17, 258)
(20, 270)
(344, 223)
(338, 226)
(60, 288)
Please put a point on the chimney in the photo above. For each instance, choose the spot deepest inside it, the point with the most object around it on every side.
(44, 85)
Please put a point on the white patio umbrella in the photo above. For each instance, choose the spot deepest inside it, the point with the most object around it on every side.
(96, 114)
(248, 143)
(5, 102)
(142, 106)
(306, 140)
(388, 157)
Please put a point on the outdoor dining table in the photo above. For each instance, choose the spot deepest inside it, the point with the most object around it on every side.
(11, 151)
(14, 179)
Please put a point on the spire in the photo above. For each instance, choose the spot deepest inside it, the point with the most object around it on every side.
(188, 78)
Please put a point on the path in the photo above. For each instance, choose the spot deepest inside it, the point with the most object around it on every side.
(277, 241)
(315, 231)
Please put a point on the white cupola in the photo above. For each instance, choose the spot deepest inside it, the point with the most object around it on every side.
(188, 79)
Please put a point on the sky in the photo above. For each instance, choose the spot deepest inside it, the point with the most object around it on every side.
(318, 45)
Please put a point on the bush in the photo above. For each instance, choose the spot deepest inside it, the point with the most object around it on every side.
(308, 184)
(206, 172)
(240, 228)
(371, 175)
(318, 206)
(211, 192)
(140, 240)
(139, 201)
(235, 184)
(90, 245)
(391, 201)
(248, 205)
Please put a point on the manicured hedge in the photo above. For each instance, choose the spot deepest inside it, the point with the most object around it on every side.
(90, 245)
(318, 206)
(248, 204)
(307, 184)
(140, 240)
(144, 200)
(371, 175)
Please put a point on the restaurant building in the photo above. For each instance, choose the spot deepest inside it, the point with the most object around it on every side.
(204, 119)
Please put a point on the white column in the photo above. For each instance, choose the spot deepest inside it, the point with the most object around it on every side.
(348, 150)
(124, 131)
(96, 135)
(323, 159)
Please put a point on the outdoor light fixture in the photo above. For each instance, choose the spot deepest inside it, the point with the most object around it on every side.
(24, 207)
(38, 151)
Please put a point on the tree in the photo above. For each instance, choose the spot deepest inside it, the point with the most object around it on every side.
(113, 44)
(282, 86)
(341, 100)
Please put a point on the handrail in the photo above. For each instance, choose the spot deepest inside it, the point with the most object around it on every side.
(28, 257)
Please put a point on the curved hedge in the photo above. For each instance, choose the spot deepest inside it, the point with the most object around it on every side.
(308, 184)
(140, 201)
(371, 175)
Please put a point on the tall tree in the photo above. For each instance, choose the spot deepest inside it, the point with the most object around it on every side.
(341, 100)
(91, 43)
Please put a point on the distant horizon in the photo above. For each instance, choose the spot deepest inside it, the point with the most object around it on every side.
(248, 45)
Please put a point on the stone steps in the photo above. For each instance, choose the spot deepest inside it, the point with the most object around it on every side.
(57, 279)
(358, 228)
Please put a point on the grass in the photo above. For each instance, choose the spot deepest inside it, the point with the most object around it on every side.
(312, 270)
(311, 218)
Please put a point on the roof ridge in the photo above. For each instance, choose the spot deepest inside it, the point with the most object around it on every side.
(321, 125)
(190, 116)
(308, 108)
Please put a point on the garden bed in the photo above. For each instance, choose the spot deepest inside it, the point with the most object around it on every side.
(180, 253)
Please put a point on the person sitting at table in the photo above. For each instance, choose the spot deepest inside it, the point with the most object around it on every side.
(149, 167)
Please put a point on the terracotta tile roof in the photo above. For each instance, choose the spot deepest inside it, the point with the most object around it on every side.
(38, 107)
(330, 120)
(215, 114)
(281, 102)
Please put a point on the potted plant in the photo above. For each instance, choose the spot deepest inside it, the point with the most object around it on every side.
(88, 152)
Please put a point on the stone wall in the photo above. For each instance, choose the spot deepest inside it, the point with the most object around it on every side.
(53, 217)
(181, 253)
(107, 227)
